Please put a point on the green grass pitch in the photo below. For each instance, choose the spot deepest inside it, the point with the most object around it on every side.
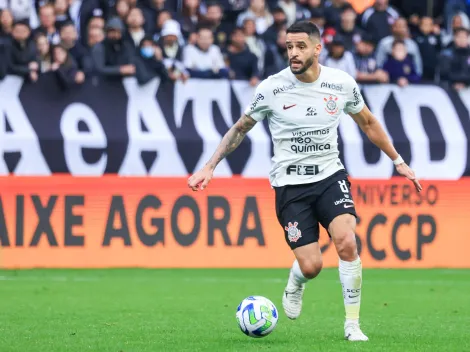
(194, 310)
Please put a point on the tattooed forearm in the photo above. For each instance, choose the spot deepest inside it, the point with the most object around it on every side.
(231, 140)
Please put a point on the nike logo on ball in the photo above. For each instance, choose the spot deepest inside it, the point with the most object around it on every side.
(288, 107)
(348, 205)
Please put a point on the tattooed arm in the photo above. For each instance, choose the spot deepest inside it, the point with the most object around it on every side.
(229, 143)
(231, 140)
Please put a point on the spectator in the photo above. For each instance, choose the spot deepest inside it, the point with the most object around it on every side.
(454, 62)
(293, 11)
(65, 68)
(113, 58)
(333, 10)
(61, 10)
(400, 32)
(459, 20)
(366, 64)
(339, 58)
(313, 5)
(221, 29)
(69, 40)
(47, 23)
(191, 15)
(149, 62)
(44, 52)
(232, 9)
(122, 9)
(400, 66)
(172, 51)
(254, 41)
(378, 19)
(162, 17)
(259, 12)
(95, 36)
(22, 58)
(151, 12)
(280, 23)
(242, 62)
(21, 10)
(96, 20)
(317, 17)
(416, 9)
(429, 47)
(6, 23)
(135, 27)
(204, 60)
(453, 7)
(276, 55)
(348, 30)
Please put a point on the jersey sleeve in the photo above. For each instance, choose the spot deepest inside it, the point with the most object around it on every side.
(354, 101)
(259, 107)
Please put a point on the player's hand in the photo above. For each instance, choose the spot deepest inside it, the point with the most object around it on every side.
(200, 180)
(405, 170)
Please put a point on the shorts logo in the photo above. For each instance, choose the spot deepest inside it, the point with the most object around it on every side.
(331, 105)
(293, 233)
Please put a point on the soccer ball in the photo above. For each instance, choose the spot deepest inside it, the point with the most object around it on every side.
(257, 316)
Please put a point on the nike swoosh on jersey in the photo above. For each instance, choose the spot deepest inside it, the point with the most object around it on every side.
(348, 205)
(288, 107)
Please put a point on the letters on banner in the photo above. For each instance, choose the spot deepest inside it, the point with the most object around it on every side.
(172, 129)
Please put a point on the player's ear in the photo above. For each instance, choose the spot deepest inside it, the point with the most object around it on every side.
(318, 49)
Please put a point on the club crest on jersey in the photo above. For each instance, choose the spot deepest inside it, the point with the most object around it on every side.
(293, 233)
(331, 105)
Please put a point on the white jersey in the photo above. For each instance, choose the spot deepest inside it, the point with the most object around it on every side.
(303, 120)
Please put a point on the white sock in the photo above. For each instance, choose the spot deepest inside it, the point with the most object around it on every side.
(350, 274)
(298, 277)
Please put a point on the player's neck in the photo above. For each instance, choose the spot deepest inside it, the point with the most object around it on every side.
(311, 75)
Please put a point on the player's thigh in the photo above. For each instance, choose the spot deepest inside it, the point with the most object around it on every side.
(299, 224)
(301, 229)
(296, 216)
(337, 214)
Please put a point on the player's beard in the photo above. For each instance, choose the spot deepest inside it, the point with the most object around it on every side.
(304, 68)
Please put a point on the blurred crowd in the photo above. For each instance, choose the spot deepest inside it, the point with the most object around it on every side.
(381, 41)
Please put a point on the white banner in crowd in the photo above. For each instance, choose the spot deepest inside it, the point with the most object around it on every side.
(173, 129)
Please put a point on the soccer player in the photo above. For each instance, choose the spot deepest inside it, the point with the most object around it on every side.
(303, 104)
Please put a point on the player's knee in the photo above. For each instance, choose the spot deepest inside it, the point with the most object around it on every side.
(346, 246)
(311, 267)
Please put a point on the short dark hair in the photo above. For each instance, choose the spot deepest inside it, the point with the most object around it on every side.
(305, 27)
(397, 42)
(461, 29)
(278, 9)
(236, 29)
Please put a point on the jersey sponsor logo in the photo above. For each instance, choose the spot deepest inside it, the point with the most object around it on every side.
(311, 111)
(334, 86)
(357, 97)
(309, 148)
(257, 99)
(331, 105)
(293, 233)
(310, 133)
(289, 106)
(283, 89)
(302, 170)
